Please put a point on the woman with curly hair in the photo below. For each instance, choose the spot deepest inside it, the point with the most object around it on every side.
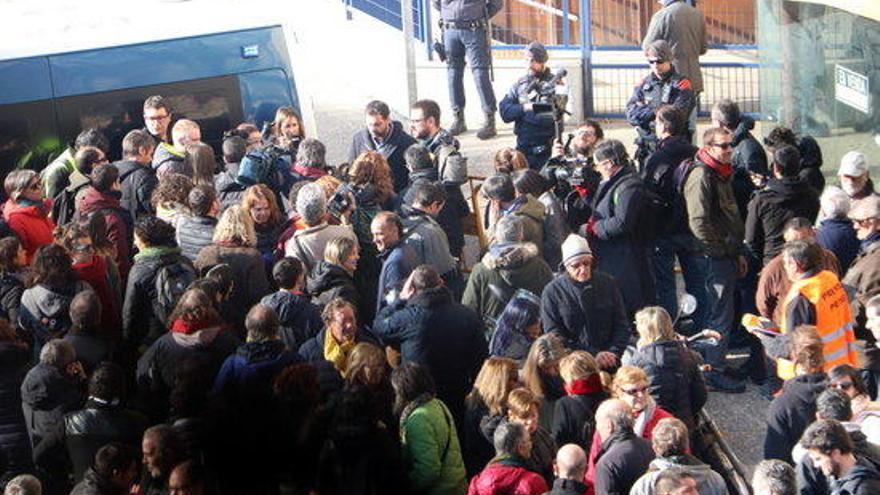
(235, 241)
(260, 204)
(169, 197)
(370, 175)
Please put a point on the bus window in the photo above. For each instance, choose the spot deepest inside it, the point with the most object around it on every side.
(28, 138)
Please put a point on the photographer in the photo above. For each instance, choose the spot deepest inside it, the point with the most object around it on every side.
(570, 174)
(534, 129)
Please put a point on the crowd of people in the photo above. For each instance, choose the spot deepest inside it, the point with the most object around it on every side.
(178, 322)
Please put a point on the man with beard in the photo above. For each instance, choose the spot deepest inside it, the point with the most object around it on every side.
(855, 178)
(831, 449)
(162, 451)
(385, 135)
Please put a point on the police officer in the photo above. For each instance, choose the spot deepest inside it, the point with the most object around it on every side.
(465, 28)
(534, 131)
(663, 86)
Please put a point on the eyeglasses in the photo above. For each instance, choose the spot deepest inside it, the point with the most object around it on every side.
(842, 385)
(587, 132)
(155, 118)
(83, 248)
(861, 221)
(635, 391)
(724, 146)
(580, 264)
(655, 61)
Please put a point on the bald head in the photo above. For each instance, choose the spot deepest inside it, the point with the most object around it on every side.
(571, 462)
(387, 230)
(613, 415)
(261, 324)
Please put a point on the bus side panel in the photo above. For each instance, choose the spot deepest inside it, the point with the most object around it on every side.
(26, 79)
(263, 92)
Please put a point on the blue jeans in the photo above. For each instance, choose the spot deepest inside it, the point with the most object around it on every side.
(720, 288)
(471, 43)
(682, 246)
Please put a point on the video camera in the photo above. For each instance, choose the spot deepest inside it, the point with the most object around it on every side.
(271, 146)
(341, 201)
(548, 96)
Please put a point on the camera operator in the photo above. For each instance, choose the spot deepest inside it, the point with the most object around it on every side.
(663, 86)
(582, 143)
(534, 129)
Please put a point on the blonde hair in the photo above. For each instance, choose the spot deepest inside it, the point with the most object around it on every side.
(362, 356)
(546, 350)
(261, 192)
(492, 385)
(654, 325)
(284, 113)
(520, 402)
(628, 375)
(339, 249)
(235, 226)
(579, 365)
(372, 168)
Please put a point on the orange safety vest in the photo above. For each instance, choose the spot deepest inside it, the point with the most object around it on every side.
(833, 320)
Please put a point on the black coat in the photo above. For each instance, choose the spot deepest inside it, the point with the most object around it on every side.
(138, 182)
(11, 289)
(91, 349)
(393, 151)
(588, 316)
(574, 418)
(327, 281)
(773, 206)
(300, 319)
(447, 337)
(249, 272)
(811, 480)
(454, 209)
(95, 484)
(616, 212)
(748, 157)
(97, 424)
(624, 457)
(47, 394)
(15, 446)
(674, 378)
(563, 486)
(790, 413)
(838, 236)
(659, 175)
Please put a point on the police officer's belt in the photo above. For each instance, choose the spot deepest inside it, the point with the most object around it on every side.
(463, 24)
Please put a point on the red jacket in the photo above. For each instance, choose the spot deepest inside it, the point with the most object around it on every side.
(507, 476)
(117, 226)
(31, 224)
(98, 275)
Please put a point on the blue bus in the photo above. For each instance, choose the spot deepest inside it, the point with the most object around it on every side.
(219, 80)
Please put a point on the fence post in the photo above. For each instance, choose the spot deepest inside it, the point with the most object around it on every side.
(586, 58)
(566, 35)
(428, 29)
(406, 20)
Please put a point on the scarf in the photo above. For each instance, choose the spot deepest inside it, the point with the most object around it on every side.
(591, 385)
(335, 352)
(309, 172)
(156, 251)
(871, 239)
(191, 327)
(645, 417)
(725, 170)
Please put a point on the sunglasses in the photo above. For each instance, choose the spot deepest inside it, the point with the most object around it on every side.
(842, 385)
(724, 146)
(655, 61)
(635, 391)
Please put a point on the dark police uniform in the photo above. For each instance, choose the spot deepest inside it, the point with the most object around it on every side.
(464, 24)
(673, 89)
(534, 132)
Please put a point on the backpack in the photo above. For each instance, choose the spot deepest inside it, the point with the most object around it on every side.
(64, 205)
(451, 165)
(259, 167)
(172, 280)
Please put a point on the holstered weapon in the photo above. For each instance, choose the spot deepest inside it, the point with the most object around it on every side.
(439, 46)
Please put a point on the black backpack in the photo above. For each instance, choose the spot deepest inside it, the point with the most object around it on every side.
(172, 280)
(64, 205)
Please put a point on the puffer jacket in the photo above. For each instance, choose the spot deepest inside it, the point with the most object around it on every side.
(97, 424)
(504, 269)
(771, 208)
(31, 223)
(249, 273)
(507, 476)
(431, 452)
(300, 319)
(588, 316)
(166, 159)
(708, 481)
(428, 240)
(674, 378)
(138, 183)
(47, 394)
(713, 215)
(194, 233)
(94, 484)
(45, 310)
(328, 281)
(15, 445)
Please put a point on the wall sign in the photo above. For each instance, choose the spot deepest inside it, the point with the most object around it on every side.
(851, 88)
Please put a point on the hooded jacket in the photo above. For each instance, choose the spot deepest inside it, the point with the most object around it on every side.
(11, 289)
(708, 481)
(507, 476)
(588, 316)
(862, 479)
(392, 149)
(246, 376)
(31, 223)
(119, 223)
(812, 481)
(95, 484)
(770, 209)
(45, 310)
(531, 213)
(748, 158)
(300, 319)
(328, 281)
(138, 183)
(658, 175)
(674, 378)
(166, 159)
(504, 269)
(47, 394)
(838, 236)
(790, 413)
(97, 424)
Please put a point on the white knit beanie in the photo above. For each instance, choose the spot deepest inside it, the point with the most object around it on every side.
(574, 247)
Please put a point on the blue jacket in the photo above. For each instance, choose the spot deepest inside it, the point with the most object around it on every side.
(246, 377)
(397, 263)
(531, 129)
(838, 236)
(300, 319)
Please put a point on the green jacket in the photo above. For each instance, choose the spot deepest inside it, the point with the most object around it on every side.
(713, 215)
(55, 175)
(532, 215)
(426, 433)
(507, 268)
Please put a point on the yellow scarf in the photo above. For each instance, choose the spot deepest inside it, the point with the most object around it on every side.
(335, 352)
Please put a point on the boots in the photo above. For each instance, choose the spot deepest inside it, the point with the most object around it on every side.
(488, 131)
(458, 125)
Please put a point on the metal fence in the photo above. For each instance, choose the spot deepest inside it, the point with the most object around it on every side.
(388, 11)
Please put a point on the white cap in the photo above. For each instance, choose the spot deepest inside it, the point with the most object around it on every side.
(853, 164)
(574, 247)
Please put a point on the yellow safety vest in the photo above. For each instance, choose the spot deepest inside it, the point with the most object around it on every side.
(833, 320)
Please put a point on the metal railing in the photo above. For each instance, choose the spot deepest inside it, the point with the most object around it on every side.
(388, 11)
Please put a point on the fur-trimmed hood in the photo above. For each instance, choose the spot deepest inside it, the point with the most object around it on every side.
(509, 256)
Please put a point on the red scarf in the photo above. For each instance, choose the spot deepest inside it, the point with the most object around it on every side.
(191, 327)
(591, 385)
(725, 170)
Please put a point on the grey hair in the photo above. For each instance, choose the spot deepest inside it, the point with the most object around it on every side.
(311, 153)
(621, 418)
(508, 229)
(17, 181)
(58, 352)
(24, 484)
(835, 202)
(777, 475)
(311, 203)
(508, 437)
